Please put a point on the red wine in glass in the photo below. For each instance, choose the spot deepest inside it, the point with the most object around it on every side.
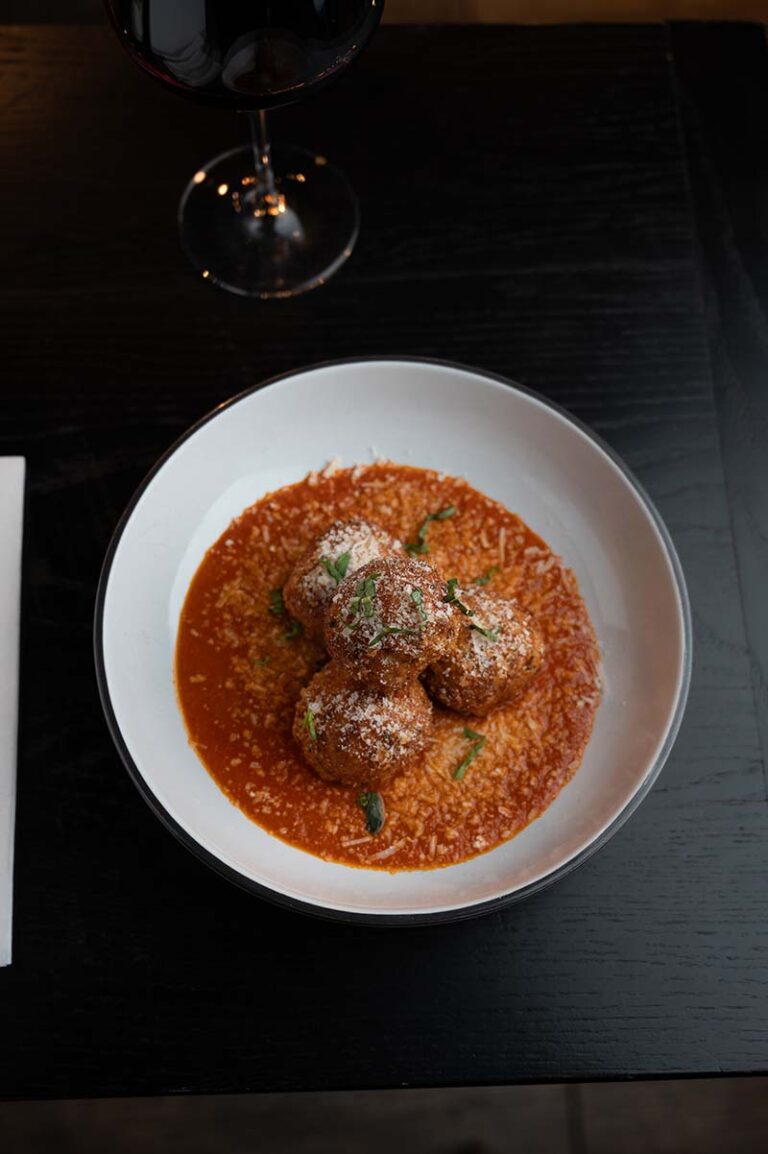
(253, 223)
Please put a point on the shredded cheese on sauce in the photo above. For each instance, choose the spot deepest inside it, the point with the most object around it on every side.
(239, 679)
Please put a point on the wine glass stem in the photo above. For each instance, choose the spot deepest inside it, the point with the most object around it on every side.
(266, 190)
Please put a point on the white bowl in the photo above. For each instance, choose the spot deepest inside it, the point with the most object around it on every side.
(509, 443)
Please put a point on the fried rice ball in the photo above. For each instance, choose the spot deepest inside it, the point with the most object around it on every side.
(495, 655)
(340, 550)
(354, 735)
(388, 621)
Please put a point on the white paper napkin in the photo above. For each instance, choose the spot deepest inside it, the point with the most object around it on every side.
(11, 515)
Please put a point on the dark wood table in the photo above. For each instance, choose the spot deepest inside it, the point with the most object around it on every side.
(527, 208)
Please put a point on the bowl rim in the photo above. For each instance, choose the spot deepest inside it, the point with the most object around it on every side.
(462, 913)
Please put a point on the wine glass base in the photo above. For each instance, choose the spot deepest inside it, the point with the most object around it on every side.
(295, 245)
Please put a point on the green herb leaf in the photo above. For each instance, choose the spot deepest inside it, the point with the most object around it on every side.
(258, 662)
(452, 599)
(418, 599)
(478, 741)
(491, 634)
(277, 607)
(372, 805)
(309, 721)
(296, 629)
(338, 568)
(486, 577)
(387, 631)
(420, 544)
(460, 770)
(361, 605)
(276, 602)
(330, 567)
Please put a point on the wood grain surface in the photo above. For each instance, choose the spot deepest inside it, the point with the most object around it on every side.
(460, 11)
(525, 209)
(728, 159)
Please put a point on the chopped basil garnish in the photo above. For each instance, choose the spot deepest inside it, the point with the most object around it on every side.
(277, 607)
(420, 544)
(387, 631)
(296, 629)
(491, 634)
(452, 599)
(309, 721)
(486, 577)
(338, 568)
(418, 600)
(478, 741)
(372, 806)
(259, 661)
(276, 602)
(361, 605)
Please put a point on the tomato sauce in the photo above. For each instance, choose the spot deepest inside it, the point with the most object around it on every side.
(240, 666)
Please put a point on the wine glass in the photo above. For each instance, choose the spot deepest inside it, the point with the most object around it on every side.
(256, 223)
